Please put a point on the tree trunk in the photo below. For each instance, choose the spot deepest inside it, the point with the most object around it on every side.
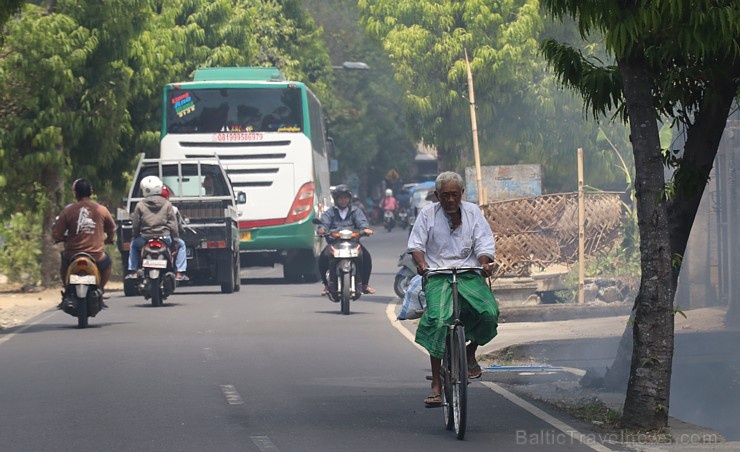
(50, 258)
(703, 138)
(648, 389)
(700, 150)
(618, 374)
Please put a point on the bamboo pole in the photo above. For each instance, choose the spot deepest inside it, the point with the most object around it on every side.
(581, 230)
(471, 92)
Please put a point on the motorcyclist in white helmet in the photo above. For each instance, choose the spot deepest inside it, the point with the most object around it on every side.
(153, 216)
(389, 202)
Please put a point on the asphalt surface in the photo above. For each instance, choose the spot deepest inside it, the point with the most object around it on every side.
(222, 372)
(273, 367)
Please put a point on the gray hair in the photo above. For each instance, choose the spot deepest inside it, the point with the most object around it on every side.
(449, 176)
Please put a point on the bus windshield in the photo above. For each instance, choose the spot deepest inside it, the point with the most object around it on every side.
(204, 110)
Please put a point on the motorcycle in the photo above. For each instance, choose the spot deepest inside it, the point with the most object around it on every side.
(156, 275)
(345, 251)
(389, 220)
(403, 219)
(374, 212)
(404, 274)
(82, 297)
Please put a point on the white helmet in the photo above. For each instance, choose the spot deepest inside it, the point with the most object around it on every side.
(388, 192)
(150, 186)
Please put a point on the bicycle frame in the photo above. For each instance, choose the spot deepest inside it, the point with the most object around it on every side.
(455, 363)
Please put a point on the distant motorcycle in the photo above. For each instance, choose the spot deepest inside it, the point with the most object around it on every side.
(82, 297)
(403, 218)
(404, 274)
(157, 276)
(389, 220)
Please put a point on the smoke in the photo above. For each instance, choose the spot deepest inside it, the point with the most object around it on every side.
(705, 386)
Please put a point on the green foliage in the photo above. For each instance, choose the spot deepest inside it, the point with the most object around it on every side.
(81, 80)
(365, 117)
(523, 115)
(622, 262)
(7, 9)
(82, 83)
(19, 250)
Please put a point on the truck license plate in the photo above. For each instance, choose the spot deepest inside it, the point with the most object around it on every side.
(247, 235)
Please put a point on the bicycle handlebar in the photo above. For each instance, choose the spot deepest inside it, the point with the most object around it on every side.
(452, 269)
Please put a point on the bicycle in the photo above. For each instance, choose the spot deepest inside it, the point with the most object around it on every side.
(454, 370)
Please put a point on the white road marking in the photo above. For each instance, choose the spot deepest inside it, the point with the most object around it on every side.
(264, 443)
(390, 312)
(10, 336)
(575, 435)
(232, 395)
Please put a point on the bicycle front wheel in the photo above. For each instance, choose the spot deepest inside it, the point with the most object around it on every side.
(459, 380)
(446, 378)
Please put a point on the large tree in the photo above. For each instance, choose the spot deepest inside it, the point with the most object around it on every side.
(64, 90)
(80, 85)
(523, 115)
(677, 60)
(366, 119)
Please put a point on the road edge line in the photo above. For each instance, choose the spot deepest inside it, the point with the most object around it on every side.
(574, 434)
(23, 328)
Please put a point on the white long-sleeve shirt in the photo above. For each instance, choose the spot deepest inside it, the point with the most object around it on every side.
(433, 235)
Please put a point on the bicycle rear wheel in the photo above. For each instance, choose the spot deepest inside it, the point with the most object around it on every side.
(459, 380)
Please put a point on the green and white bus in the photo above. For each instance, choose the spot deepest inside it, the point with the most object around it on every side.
(269, 135)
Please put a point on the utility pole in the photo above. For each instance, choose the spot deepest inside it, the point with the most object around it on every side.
(581, 230)
(479, 179)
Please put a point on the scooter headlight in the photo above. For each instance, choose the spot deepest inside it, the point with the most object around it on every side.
(345, 234)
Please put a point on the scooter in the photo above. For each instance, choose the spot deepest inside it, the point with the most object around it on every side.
(404, 274)
(82, 297)
(343, 276)
(156, 275)
(389, 220)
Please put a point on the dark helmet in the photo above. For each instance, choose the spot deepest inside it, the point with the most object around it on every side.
(341, 190)
(82, 188)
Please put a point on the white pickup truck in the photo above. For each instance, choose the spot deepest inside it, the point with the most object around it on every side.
(201, 190)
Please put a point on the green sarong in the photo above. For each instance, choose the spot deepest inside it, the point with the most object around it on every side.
(478, 311)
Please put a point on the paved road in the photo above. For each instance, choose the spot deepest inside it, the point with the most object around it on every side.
(272, 368)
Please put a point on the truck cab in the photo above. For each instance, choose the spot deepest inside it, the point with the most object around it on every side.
(201, 191)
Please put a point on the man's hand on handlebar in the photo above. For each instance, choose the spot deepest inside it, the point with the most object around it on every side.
(422, 268)
(368, 231)
(488, 268)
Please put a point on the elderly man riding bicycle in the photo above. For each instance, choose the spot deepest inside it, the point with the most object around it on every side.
(453, 232)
